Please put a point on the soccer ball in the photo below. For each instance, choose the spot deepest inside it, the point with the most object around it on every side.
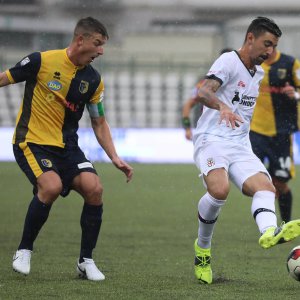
(293, 263)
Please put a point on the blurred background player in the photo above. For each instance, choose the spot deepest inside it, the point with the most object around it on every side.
(193, 103)
(275, 119)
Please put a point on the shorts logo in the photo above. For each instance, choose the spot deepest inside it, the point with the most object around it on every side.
(210, 162)
(85, 165)
(54, 85)
(83, 87)
(46, 162)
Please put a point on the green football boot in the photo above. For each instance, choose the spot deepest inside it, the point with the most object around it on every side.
(203, 270)
(278, 235)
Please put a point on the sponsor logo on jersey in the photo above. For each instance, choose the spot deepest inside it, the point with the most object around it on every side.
(236, 97)
(72, 106)
(25, 61)
(272, 89)
(83, 87)
(46, 162)
(245, 100)
(210, 162)
(54, 85)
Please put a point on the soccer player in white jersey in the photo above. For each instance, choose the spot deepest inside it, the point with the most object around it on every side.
(222, 149)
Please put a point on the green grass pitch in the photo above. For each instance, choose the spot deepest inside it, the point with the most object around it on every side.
(146, 243)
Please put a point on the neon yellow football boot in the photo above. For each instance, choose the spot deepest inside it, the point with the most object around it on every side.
(203, 270)
(278, 235)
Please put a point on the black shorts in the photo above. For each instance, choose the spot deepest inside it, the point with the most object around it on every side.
(276, 152)
(35, 160)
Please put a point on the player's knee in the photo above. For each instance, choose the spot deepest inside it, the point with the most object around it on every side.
(219, 192)
(50, 192)
(98, 191)
(93, 195)
(49, 186)
(268, 186)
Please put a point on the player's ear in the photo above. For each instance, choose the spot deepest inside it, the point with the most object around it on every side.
(80, 40)
(250, 37)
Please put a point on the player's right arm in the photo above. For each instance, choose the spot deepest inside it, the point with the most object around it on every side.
(207, 96)
(4, 79)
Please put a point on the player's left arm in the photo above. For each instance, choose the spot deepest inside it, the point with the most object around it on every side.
(103, 133)
(104, 138)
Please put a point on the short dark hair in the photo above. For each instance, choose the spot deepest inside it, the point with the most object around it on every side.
(261, 25)
(89, 25)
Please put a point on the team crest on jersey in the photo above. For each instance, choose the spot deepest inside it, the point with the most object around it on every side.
(281, 73)
(210, 162)
(83, 87)
(46, 162)
(241, 83)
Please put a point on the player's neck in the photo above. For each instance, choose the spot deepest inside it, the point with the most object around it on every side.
(245, 58)
(72, 55)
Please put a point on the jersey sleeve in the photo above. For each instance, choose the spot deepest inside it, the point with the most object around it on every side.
(95, 106)
(220, 69)
(25, 69)
(296, 73)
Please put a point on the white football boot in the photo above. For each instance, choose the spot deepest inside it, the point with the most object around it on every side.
(21, 261)
(87, 269)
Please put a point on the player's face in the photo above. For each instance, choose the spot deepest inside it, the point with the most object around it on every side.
(262, 47)
(91, 47)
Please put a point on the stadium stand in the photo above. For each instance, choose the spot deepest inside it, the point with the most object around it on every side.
(132, 100)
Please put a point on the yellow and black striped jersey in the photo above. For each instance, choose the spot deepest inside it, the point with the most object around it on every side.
(56, 92)
(275, 113)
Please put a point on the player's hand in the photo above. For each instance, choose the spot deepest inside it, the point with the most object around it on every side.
(232, 120)
(188, 134)
(124, 167)
(289, 90)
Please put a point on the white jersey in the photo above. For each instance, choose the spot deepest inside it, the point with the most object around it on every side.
(239, 90)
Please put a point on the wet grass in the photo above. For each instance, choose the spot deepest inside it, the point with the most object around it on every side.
(146, 243)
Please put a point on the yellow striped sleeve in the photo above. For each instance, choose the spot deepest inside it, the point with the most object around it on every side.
(99, 94)
(296, 73)
(11, 80)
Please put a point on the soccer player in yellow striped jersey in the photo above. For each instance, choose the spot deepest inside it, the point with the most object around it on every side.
(276, 117)
(59, 84)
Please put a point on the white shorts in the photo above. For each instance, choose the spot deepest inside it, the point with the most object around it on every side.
(238, 160)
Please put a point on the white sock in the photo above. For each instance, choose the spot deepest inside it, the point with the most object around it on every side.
(208, 209)
(263, 210)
